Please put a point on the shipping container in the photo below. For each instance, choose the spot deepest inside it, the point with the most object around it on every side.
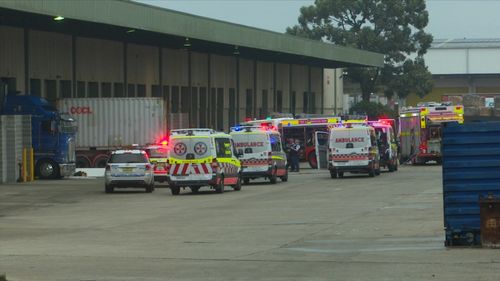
(105, 124)
(471, 169)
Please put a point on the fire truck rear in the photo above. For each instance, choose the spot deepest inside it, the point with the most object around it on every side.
(420, 130)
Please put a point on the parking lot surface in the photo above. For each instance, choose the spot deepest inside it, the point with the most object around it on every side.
(310, 228)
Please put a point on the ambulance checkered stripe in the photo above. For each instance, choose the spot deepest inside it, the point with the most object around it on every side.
(360, 156)
(254, 162)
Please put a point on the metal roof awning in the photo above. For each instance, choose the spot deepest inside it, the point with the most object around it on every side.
(134, 22)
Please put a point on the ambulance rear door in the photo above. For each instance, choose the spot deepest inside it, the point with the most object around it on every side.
(321, 141)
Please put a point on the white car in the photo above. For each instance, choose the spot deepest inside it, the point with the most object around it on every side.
(129, 168)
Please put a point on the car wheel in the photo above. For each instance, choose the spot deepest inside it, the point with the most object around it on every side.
(285, 177)
(246, 181)
(273, 178)
(372, 173)
(47, 169)
(194, 189)
(333, 174)
(220, 187)
(175, 190)
(237, 186)
(341, 174)
(108, 188)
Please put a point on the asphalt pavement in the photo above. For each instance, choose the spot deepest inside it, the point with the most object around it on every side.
(310, 228)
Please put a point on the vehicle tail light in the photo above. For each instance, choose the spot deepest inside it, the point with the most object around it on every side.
(108, 168)
(423, 147)
(148, 167)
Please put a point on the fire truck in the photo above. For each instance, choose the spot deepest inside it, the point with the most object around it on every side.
(420, 130)
(302, 129)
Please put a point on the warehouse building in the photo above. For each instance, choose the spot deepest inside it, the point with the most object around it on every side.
(212, 73)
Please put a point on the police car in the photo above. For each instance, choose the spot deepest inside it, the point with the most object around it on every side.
(261, 153)
(128, 168)
(202, 157)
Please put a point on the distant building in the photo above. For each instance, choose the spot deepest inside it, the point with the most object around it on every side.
(462, 66)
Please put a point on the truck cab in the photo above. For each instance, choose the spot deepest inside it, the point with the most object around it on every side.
(52, 132)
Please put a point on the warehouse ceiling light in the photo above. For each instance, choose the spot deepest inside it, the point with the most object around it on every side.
(187, 44)
(130, 31)
(58, 18)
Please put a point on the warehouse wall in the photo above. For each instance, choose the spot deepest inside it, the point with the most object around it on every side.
(12, 56)
(264, 89)
(99, 65)
(283, 87)
(247, 93)
(316, 90)
(299, 88)
(62, 66)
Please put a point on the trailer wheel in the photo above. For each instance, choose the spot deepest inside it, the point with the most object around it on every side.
(82, 161)
(100, 161)
(47, 169)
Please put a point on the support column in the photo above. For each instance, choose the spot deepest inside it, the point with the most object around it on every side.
(27, 61)
(306, 110)
(255, 89)
(237, 89)
(73, 64)
(125, 80)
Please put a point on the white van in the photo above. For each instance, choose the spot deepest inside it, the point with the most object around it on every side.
(260, 152)
(202, 157)
(353, 148)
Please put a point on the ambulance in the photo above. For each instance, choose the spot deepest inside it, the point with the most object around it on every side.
(353, 148)
(261, 153)
(202, 157)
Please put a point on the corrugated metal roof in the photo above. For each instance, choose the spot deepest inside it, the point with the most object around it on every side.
(138, 16)
(465, 43)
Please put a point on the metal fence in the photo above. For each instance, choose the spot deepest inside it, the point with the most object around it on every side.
(15, 134)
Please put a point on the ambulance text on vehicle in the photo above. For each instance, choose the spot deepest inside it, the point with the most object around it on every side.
(261, 153)
(420, 130)
(353, 148)
(202, 157)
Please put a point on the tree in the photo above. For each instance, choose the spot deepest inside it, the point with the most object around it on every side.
(373, 110)
(394, 28)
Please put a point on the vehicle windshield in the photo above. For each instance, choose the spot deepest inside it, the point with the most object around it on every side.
(256, 142)
(190, 148)
(68, 126)
(128, 158)
(349, 138)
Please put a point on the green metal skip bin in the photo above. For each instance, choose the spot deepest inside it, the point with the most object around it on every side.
(490, 221)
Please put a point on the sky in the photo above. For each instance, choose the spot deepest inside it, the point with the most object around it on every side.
(447, 18)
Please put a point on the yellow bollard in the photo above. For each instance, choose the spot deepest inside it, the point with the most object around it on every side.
(32, 164)
(24, 175)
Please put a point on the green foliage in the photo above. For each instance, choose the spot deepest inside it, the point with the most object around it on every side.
(394, 28)
(373, 110)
